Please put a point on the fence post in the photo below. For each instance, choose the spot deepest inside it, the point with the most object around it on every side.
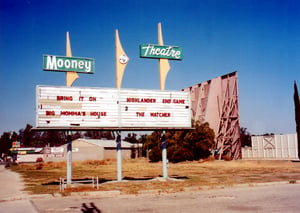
(60, 187)
(97, 183)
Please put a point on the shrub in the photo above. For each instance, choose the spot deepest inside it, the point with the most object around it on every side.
(155, 154)
(182, 154)
(39, 166)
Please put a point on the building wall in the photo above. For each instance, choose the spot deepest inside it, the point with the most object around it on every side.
(112, 154)
(88, 153)
(274, 147)
(29, 158)
(83, 150)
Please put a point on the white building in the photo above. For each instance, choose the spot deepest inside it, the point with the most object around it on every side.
(272, 147)
(95, 149)
(82, 149)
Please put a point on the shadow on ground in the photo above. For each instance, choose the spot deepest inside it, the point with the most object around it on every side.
(103, 180)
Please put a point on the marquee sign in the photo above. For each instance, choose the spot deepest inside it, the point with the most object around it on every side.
(160, 51)
(65, 64)
(67, 107)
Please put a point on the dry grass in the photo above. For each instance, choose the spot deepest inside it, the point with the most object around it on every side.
(44, 177)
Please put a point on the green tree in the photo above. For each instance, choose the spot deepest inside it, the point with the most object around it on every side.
(141, 151)
(297, 114)
(5, 142)
(181, 154)
(131, 138)
(153, 146)
(182, 145)
(200, 140)
(245, 137)
(100, 134)
(53, 138)
(76, 135)
(15, 136)
(27, 136)
(109, 135)
(93, 134)
(155, 154)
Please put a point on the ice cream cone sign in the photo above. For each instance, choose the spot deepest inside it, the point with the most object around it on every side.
(70, 76)
(121, 61)
(163, 53)
(164, 65)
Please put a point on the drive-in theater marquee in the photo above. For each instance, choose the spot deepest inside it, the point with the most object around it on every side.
(86, 108)
(75, 107)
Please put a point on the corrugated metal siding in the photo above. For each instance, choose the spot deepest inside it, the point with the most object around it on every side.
(275, 147)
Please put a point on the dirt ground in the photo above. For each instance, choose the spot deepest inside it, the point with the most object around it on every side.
(140, 175)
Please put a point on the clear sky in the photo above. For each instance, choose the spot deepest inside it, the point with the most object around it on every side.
(259, 39)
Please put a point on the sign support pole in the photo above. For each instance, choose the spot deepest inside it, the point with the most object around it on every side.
(69, 158)
(121, 62)
(119, 157)
(164, 68)
(164, 155)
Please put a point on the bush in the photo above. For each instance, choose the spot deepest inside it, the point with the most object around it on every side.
(182, 154)
(133, 152)
(155, 154)
(39, 166)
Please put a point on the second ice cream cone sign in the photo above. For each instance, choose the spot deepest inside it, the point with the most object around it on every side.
(121, 61)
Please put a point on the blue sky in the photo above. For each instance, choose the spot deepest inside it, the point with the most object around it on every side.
(259, 39)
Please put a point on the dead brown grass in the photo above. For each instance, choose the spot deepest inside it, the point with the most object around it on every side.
(44, 177)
